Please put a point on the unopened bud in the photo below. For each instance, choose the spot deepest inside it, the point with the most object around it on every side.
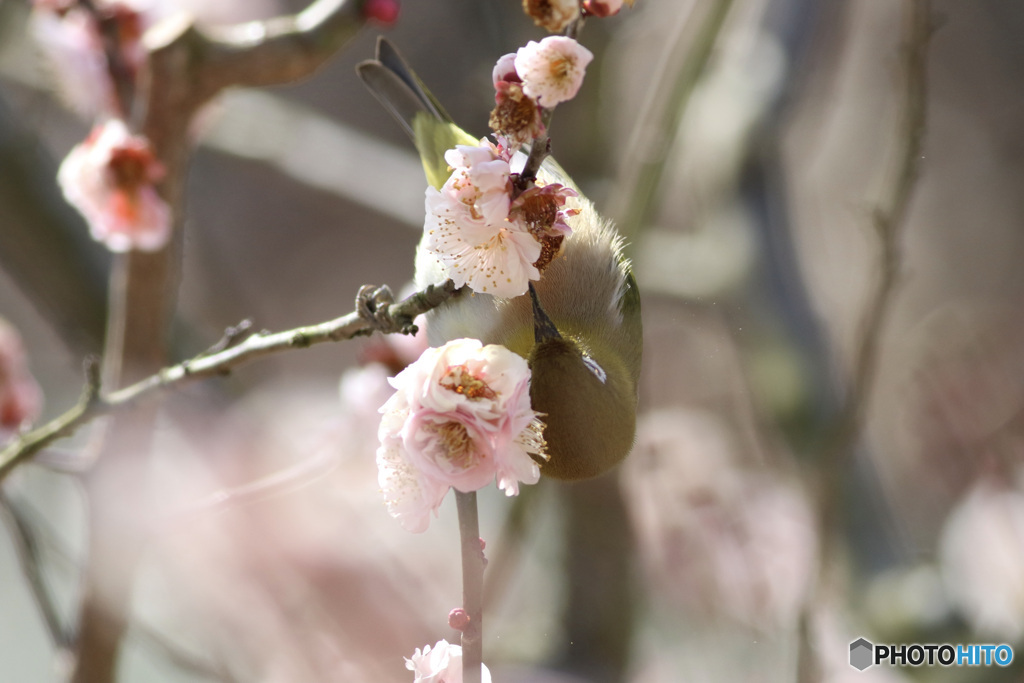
(458, 619)
(384, 11)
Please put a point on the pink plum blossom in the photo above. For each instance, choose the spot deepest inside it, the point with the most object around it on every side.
(516, 116)
(110, 179)
(70, 36)
(440, 664)
(505, 70)
(467, 226)
(552, 70)
(72, 44)
(460, 417)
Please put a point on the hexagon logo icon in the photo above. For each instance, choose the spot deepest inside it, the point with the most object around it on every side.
(861, 654)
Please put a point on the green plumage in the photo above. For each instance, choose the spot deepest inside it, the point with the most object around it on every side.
(585, 379)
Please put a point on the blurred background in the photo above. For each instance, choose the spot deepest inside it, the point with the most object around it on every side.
(742, 146)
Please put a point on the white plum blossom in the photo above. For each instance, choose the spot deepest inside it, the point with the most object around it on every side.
(440, 664)
(460, 417)
(110, 179)
(552, 70)
(467, 226)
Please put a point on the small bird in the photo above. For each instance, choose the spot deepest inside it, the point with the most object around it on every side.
(578, 326)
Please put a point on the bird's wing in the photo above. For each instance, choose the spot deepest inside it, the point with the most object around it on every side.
(403, 94)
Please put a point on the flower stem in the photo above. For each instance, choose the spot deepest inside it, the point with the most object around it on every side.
(472, 585)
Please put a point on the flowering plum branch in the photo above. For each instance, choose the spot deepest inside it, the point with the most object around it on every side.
(95, 402)
(461, 416)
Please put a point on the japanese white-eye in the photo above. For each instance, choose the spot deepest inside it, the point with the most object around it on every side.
(578, 326)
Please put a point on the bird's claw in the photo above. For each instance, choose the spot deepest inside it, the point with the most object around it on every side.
(374, 304)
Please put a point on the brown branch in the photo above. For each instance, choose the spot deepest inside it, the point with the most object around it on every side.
(279, 50)
(95, 403)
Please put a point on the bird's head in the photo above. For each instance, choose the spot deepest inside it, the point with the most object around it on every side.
(586, 397)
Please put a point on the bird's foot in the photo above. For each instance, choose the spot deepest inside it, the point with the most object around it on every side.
(374, 306)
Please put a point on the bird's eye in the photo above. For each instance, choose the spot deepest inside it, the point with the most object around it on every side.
(593, 366)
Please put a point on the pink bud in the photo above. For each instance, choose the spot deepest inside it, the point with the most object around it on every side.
(505, 70)
(602, 8)
(383, 11)
(20, 397)
(458, 619)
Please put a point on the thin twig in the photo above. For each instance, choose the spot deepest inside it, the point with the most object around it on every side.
(180, 657)
(94, 403)
(472, 586)
(540, 149)
(888, 222)
(656, 129)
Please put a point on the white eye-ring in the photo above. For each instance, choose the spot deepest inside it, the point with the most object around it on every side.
(595, 368)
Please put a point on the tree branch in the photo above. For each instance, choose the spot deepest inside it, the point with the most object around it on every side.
(888, 221)
(282, 49)
(95, 403)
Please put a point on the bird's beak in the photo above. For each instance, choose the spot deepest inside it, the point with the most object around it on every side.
(543, 328)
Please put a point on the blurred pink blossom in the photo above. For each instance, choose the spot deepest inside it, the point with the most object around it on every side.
(440, 664)
(602, 8)
(467, 228)
(553, 69)
(384, 11)
(715, 537)
(110, 179)
(72, 44)
(460, 417)
(20, 397)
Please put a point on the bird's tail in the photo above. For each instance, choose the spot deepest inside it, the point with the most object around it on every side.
(417, 111)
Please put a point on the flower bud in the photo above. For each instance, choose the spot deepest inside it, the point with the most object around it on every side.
(458, 619)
